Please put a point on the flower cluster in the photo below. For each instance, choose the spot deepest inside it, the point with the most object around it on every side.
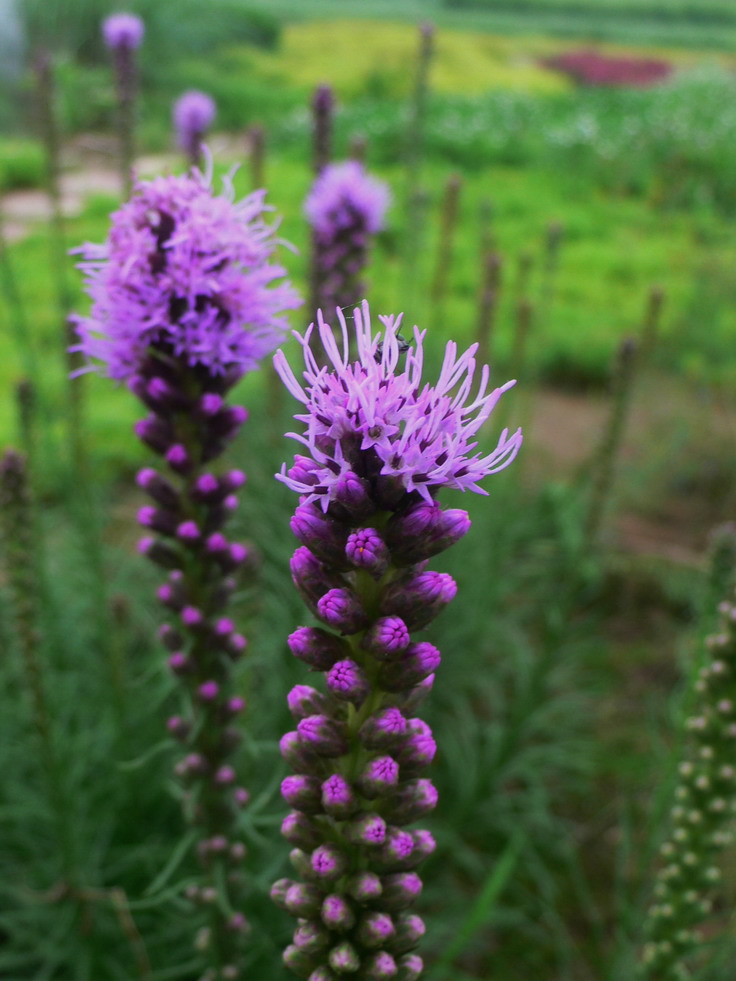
(345, 208)
(705, 804)
(123, 31)
(193, 114)
(181, 308)
(184, 273)
(367, 523)
(593, 68)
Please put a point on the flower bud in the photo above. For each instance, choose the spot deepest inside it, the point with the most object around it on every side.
(323, 735)
(423, 531)
(279, 890)
(347, 681)
(387, 639)
(365, 549)
(302, 792)
(370, 830)
(400, 889)
(302, 899)
(417, 663)
(300, 831)
(375, 929)
(379, 967)
(157, 519)
(344, 959)
(299, 961)
(383, 730)
(364, 887)
(350, 492)
(304, 700)
(416, 695)
(323, 537)
(409, 931)
(328, 863)
(380, 776)
(419, 600)
(310, 577)
(412, 800)
(338, 799)
(410, 967)
(311, 937)
(396, 849)
(337, 913)
(160, 489)
(416, 751)
(317, 648)
(341, 609)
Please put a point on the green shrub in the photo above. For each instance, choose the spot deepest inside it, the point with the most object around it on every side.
(21, 164)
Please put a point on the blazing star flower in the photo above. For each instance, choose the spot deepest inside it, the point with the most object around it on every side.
(381, 444)
(123, 31)
(346, 208)
(187, 272)
(193, 114)
(387, 425)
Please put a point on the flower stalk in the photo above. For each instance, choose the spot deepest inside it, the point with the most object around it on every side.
(123, 34)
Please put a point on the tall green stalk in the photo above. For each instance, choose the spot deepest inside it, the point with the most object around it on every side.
(445, 246)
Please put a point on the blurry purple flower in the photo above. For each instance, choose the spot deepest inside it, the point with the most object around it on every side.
(416, 437)
(184, 272)
(193, 114)
(344, 195)
(123, 31)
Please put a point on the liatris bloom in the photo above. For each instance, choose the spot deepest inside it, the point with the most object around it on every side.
(123, 34)
(193, 114)
(381, 444)
(702, 816)
(181, 310)
(345, 208)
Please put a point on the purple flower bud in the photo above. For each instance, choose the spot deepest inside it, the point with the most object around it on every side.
(337, 914)
(424, 844)
(311, 937)
(328, 863)
(350, 492)
(191, 617)
(419, 600)
(413, 800)
(409, 931)
(416, 695)
(238, 923)
(158, 487)
(379, 777)
(170, 637)
(299, 830)
(159, 552)
(400, 889)
(417, 751)
(304, 700)
(418, 662)
(310, 576)
(366, 549)
(302, 792)
(217, 544)
(210, 404)
(342, 610)
(375, 929)
(123, 31)
(279, 890)
(383, 730)
(193, 114)
(410, 967)
(317, 648)
(297, 755)
(303, 899)
(370, 829)
(178, 458)
(154, 432)
(364, 887)
(236, 644)
(322, 973)
(158, 519)
(241, 797)
(206, 487)
(344, 959)
(348, 682)
(188, 532)
(379, 967)
(225, 776)
(396, 849)
(338, 798)
(423, 531)
(237, 851)
(387, 639)
(208, 691)
(324, 538)
(179, 663)
(323, 735)
(170, 596)
(179, 728)
(298, 961)
(302, 471)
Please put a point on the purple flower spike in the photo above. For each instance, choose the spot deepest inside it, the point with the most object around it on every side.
(366, 550)
(378, 444)
(387, 639)
(340, 608)
(123, 31)
(348, 682)
(380, 776)
(419, 600)
(193, 114)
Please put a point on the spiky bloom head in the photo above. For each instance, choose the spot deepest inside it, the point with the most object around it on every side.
(193, 113)
(344, 196)
(122, 31)
(186, 273)
(383, 423)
